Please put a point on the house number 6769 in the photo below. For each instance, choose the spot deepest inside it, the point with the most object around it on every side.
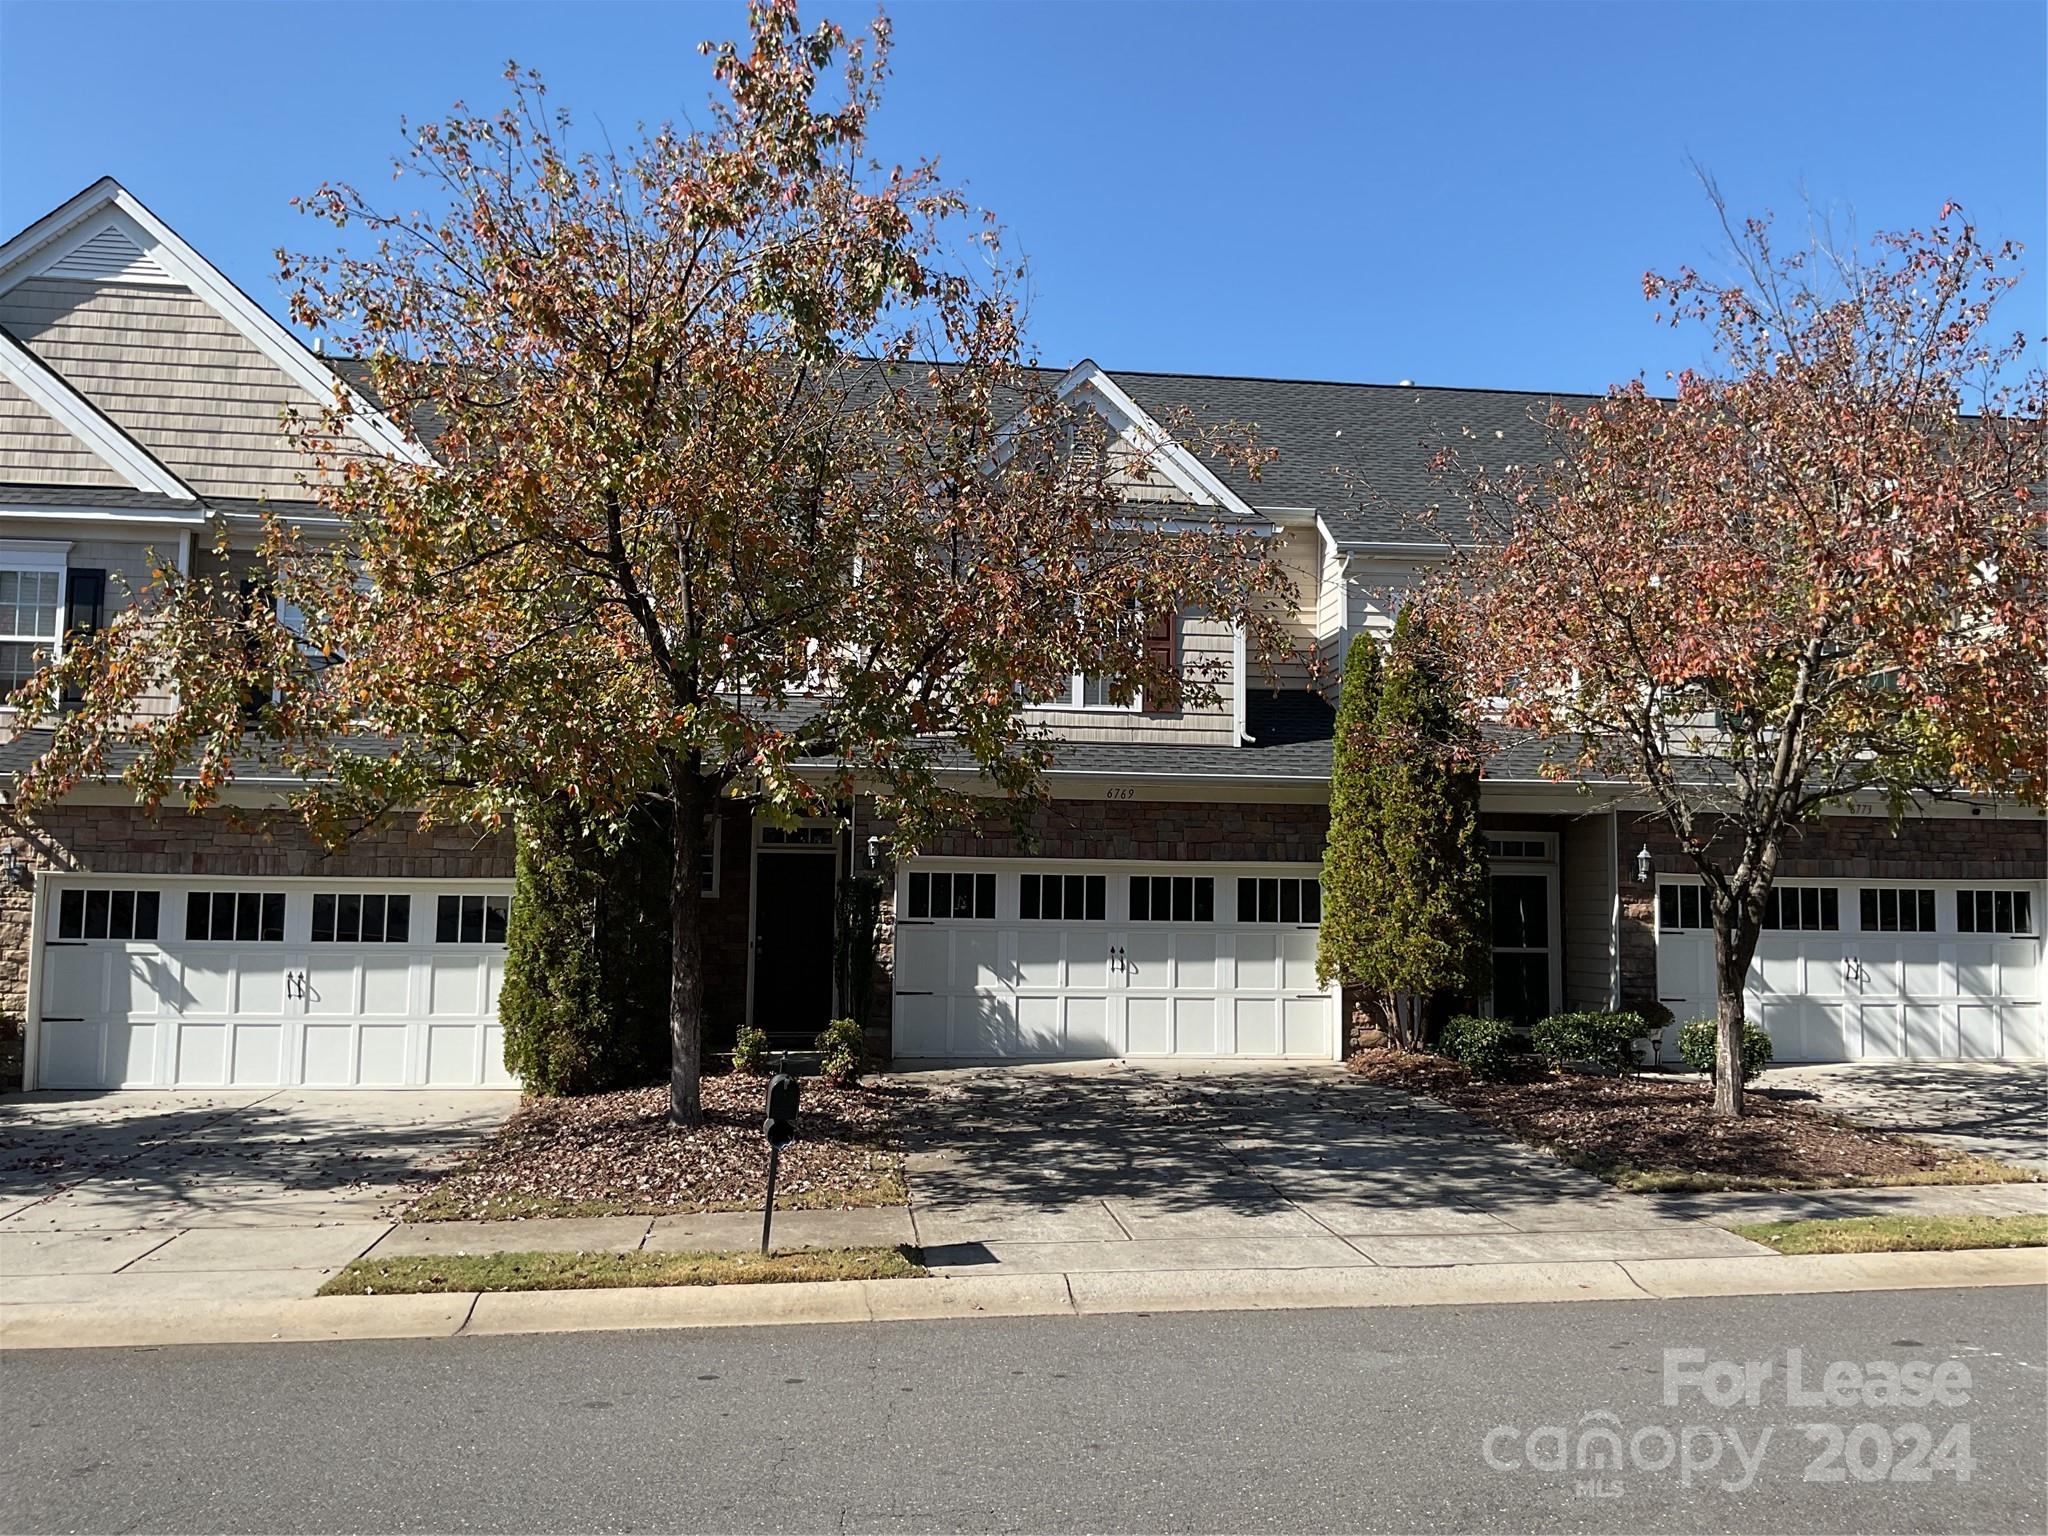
(1120, 792)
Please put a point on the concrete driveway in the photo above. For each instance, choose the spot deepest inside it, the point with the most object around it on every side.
(1118, 1167)
(112, 1197)
(1996, 1108)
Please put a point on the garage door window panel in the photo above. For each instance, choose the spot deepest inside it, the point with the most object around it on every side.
(108, 914)
(235, 917)
(1995, 912)
(1173, 899)
(349, 917)
(1060, 897)
(1807, 908)
(944, 895)
(1895, 911)
(471, 919)
(1286, 899)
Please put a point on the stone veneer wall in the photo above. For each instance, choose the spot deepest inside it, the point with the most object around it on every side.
(1831, 848)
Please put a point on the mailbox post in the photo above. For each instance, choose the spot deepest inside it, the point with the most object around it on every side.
(778, 1127)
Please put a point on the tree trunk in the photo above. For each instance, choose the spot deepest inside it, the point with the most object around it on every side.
(692, 800)
(1733, 951)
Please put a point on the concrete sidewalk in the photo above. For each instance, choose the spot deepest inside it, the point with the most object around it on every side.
(136, 1268)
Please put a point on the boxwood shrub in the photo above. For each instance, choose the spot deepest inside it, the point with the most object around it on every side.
(1487, 1047)
(1697, 1039)
(1604, 1039)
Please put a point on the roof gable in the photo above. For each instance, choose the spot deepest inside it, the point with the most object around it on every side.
(105, 234)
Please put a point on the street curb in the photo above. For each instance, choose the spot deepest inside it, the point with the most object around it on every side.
(315, 1319)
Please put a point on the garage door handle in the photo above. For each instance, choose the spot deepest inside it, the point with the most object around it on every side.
(901, 993)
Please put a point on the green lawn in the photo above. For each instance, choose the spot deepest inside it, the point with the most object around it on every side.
(1898, 1234)
(415, 1275)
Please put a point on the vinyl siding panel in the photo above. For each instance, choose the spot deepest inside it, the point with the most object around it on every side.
(1376, 593)
(37, 449)
(171, 372)
(1331, 619)
(1298, 550)
(1586, 897)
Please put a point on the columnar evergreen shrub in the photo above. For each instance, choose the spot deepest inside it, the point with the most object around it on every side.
(1350, 944)
(1405, 911)
(585, 1000)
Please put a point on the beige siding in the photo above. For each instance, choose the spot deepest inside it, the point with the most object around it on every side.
(1330, 618)
(1376, 592)
(1585, 879)
(170, 371)
(1299, 552)
(1202, 640)
(37, 449)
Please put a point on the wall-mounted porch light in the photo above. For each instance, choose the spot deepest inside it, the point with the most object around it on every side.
(1644, 868)
(874, 851)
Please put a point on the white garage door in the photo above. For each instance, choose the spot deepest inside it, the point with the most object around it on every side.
(1035, 961)
(331, 984)
(1940, 971)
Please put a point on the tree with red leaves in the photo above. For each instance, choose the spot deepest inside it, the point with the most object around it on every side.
(1817, 576)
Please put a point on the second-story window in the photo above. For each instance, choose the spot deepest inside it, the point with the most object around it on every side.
(28, 621)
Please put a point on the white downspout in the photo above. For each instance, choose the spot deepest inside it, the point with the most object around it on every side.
(1237, 685)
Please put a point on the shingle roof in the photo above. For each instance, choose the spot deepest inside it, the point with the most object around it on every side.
(1357, 454)
(1333, 439)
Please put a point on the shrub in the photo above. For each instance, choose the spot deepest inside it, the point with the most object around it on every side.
(585, 999)
(1487, 1047)
(1696, 1042)
(750, 1050)
(1608, 1039)
(842, 1050)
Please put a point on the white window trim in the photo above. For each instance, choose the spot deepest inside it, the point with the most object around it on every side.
(1077, 684)
(713, 834)
(41, 557)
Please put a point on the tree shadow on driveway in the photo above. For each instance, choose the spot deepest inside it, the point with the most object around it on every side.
(1242, 1142)
(109, 1159)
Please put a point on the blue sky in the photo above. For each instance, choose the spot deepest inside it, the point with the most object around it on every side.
(1450, 193)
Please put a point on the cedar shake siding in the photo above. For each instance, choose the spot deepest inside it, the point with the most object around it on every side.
(167, 369)
(37, 449)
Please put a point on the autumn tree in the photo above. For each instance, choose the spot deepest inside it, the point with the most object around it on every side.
(738, 486)
(1813, 577)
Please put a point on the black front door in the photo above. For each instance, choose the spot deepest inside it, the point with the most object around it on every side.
(793, 945)
(1521, 947)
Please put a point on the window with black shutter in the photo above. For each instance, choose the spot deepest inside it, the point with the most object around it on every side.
(85, 610)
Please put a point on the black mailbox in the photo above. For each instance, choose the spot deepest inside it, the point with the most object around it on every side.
(780, 1125)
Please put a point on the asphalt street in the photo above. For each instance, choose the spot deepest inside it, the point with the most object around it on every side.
(1421, 1419)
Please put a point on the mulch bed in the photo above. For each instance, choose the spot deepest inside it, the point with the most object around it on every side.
(617, 1154)
(1650, 1133)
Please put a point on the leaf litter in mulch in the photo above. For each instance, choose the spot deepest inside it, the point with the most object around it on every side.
(617, 1154)
(1649, 1133)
